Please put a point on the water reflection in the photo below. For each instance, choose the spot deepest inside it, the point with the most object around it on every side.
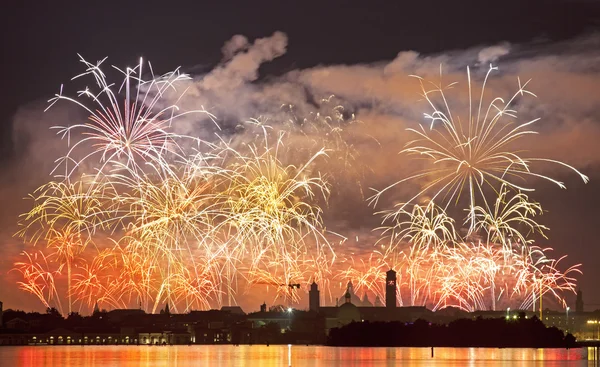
(250, 356)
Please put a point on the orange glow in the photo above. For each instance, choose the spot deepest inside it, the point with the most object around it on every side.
(228, 355)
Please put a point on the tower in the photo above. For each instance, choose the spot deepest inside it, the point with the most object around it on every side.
(365, 302)
(579, 302)
(390, 289)
(313, 297)
(378, 302)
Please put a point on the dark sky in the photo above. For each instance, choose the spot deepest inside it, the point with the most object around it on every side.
(40, 43)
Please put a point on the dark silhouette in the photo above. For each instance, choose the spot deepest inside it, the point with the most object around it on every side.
(279, 326)
(502, 333)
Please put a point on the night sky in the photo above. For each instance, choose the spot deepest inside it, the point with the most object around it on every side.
(335, 47)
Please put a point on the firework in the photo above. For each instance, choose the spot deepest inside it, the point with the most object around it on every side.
(38, 278)
(472, 154)
(333, 129)
(65, 216)
(271, 213)
(510, 214)
(133, 131)
(494, 261)
(144, 216)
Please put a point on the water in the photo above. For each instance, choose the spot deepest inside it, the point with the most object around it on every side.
(275, 355)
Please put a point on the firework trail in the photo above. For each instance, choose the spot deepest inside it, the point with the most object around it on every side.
(495, 260)
(270, 211)
(142, 215)
(132, 131)
(471, 154)
(333, 129)
(38, 278)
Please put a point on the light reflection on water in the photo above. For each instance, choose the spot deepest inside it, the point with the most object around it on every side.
(258, 355)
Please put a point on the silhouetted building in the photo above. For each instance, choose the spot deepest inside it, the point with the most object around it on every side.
(313, 296)
(17, 324)
(1, 316)
(234, 310)
(263, 307)
(579, 302)
(390, 289)
(283, 319)
(378, 302)
(354, 298)
(119, 315)
(365, 302)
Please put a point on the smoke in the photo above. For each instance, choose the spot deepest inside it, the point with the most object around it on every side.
(387, 99)
(243, 66)
(235, 44)
(383, 96)
(492, 54)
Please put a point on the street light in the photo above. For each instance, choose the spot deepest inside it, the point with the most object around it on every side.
(568, 308)
(508, 313)
(289, 310)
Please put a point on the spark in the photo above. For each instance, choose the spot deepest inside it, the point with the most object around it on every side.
(143, 215)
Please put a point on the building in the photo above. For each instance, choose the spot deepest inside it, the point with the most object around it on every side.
(230, 325)
(17, 324)
(579, 302)
(390, 289)
(354, 298)
(355, 310)
(166, 337)
(313, 298)
(120, 315)
(234, 310)
(282, 318)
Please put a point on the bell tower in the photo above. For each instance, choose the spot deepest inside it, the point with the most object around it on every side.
(390, 289)
(313, 297)
(579, 302)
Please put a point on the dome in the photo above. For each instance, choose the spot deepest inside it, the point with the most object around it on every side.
(348, 313)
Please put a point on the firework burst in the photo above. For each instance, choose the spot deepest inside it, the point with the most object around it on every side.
(142, 215)
(472, 154)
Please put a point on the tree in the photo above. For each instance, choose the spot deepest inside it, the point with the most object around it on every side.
(53, 312)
